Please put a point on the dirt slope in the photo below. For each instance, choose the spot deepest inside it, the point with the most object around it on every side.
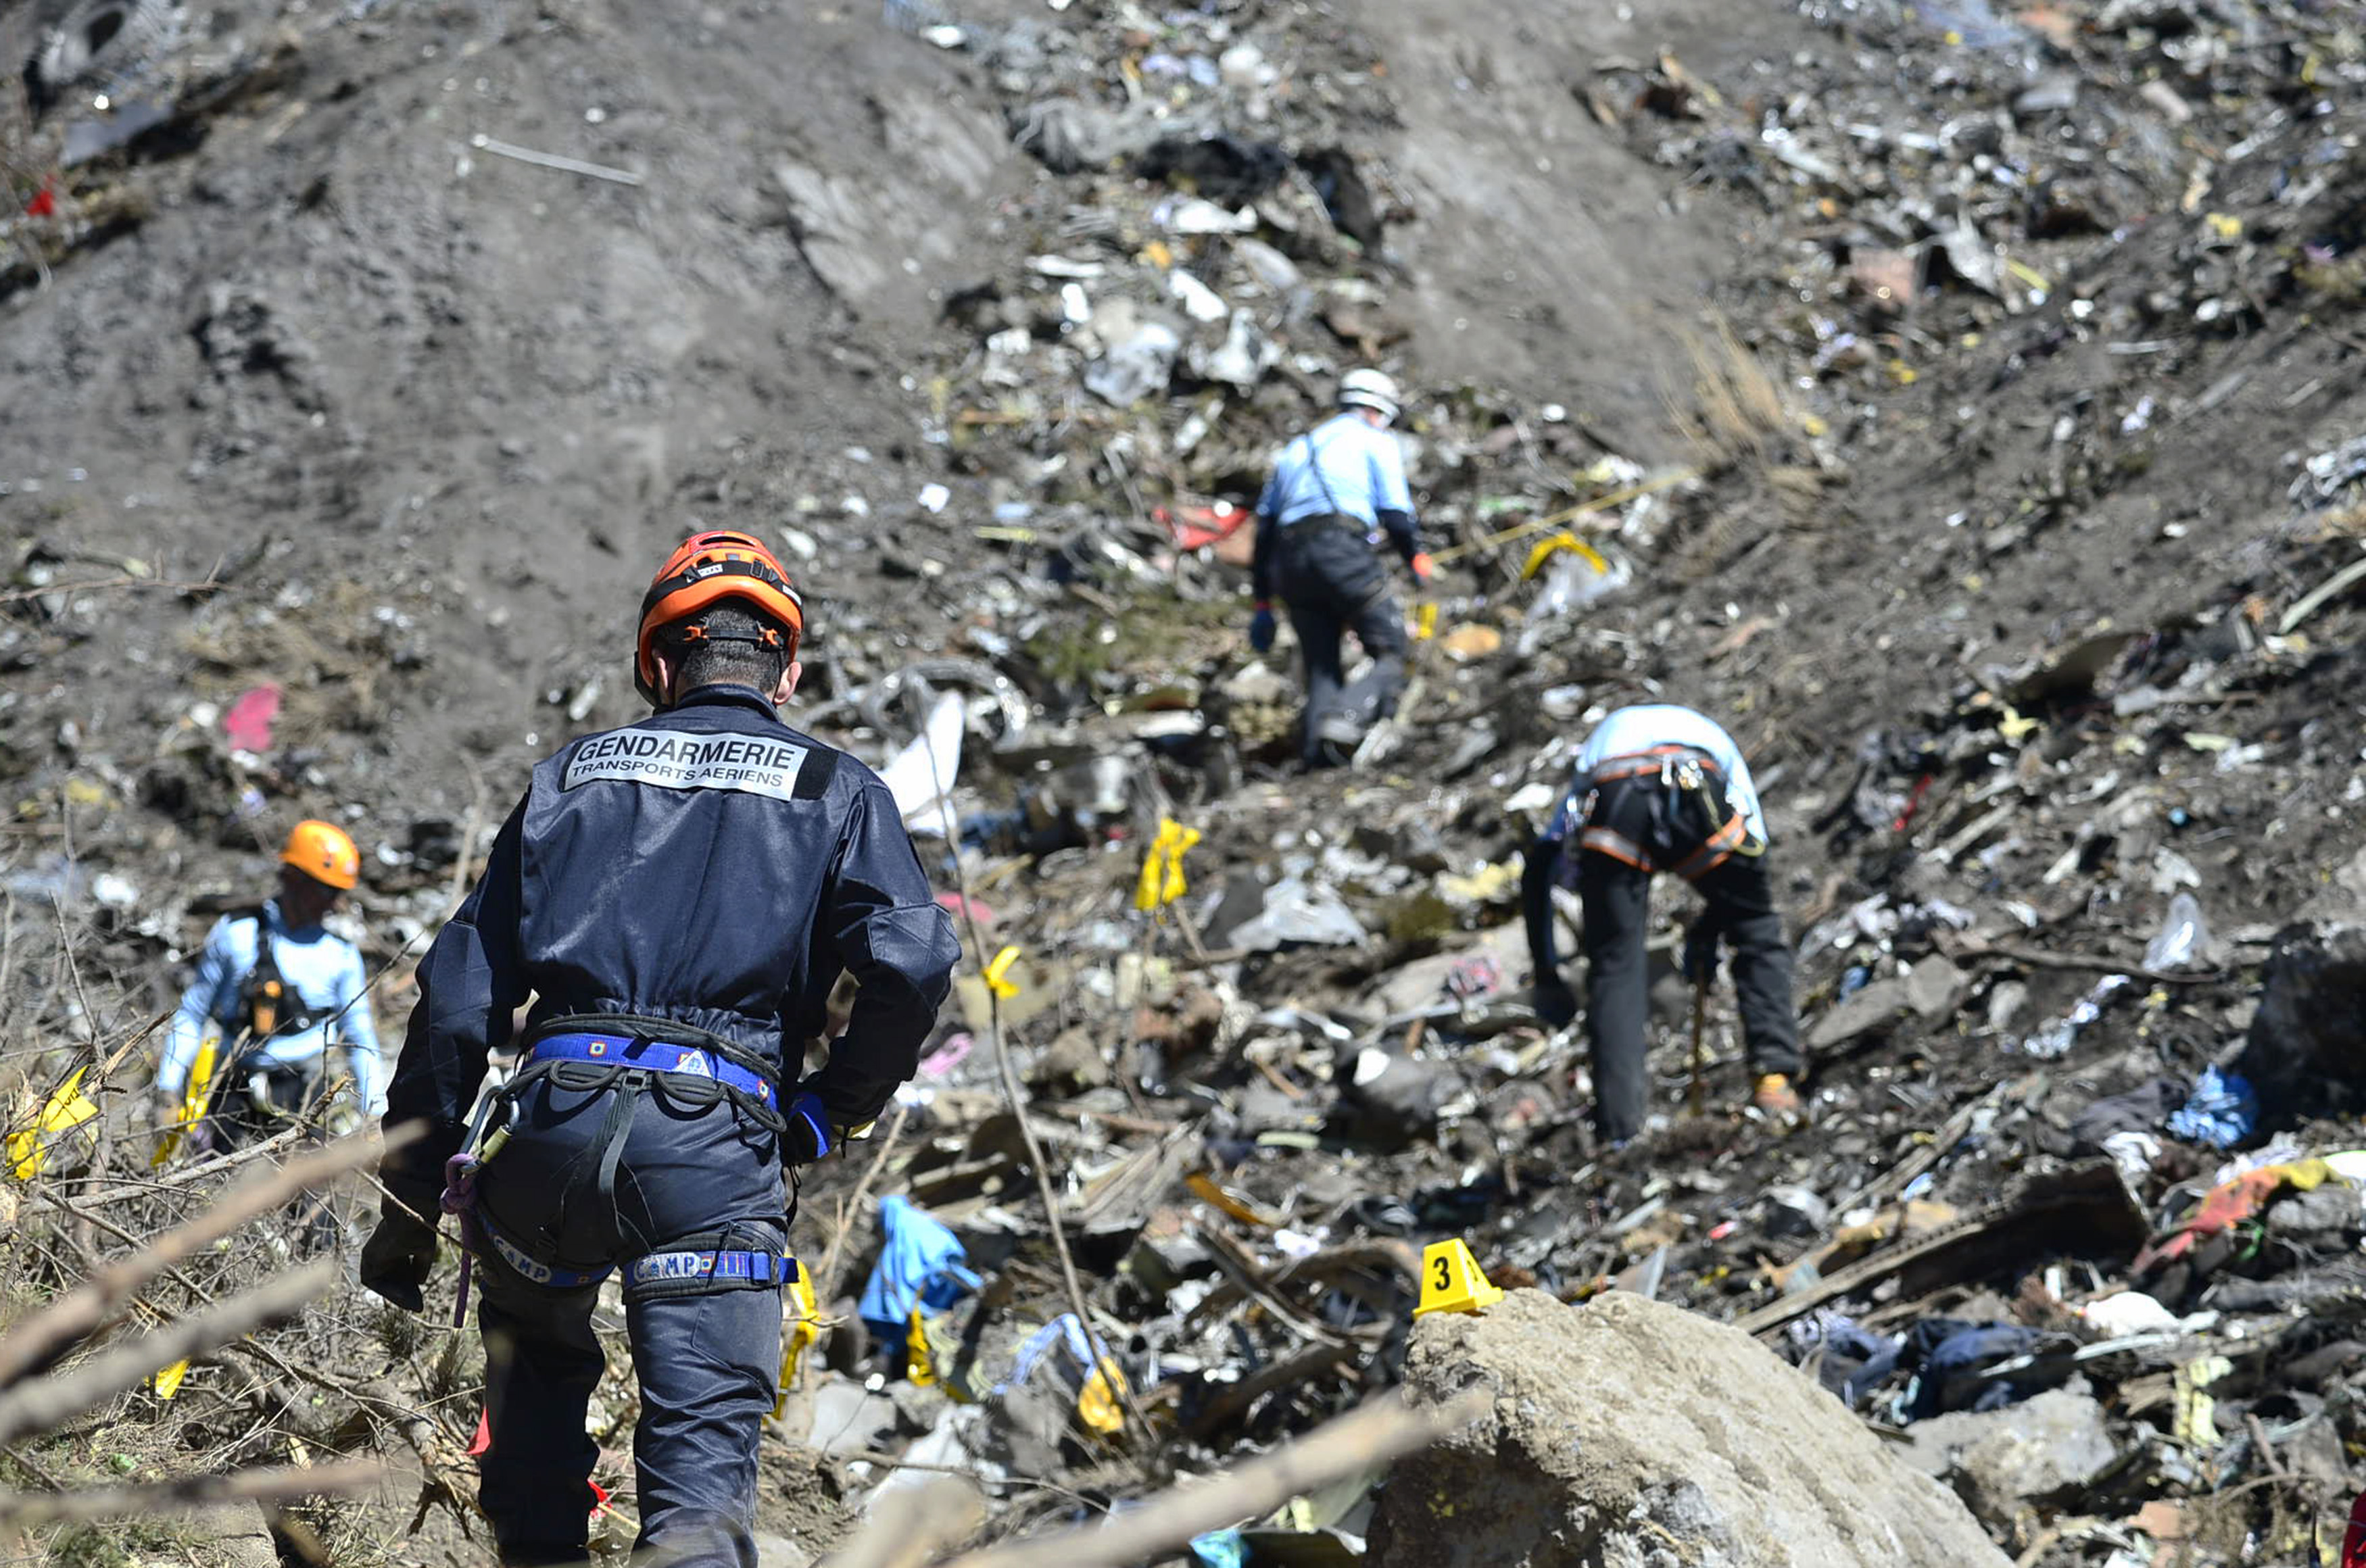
(417, 414)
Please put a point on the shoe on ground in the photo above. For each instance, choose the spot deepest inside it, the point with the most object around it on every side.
(1774, 1098)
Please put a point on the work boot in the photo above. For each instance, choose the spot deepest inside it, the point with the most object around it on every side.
(1776, 1100)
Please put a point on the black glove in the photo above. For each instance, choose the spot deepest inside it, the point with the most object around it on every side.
(808, 1136)
(398, 1258)
(1261, 629)
(1554, 1001)
(1699, 964)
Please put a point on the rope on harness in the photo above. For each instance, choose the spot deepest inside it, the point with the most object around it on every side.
(627, 1057)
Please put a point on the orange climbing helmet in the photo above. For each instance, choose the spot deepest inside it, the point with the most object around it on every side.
(706, 569)
(324, 852)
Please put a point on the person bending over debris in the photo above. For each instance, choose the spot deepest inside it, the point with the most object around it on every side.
(1660, 788)
(273, 989)
(678, 897)
(1331, 492)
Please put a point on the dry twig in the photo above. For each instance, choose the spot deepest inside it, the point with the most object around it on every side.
(187, 1491)
(42, 1403)
(83, 1309)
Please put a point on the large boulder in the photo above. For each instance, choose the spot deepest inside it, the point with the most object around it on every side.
(1630, 1434)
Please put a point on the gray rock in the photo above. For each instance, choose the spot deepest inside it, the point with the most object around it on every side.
(780, 1552)
(2048, 93)
(848, 1419)
(238, 1537)
(2330, 1211)
(1999, 1459)
(1630, 1433)
(1936, 987)
(1876, 1006)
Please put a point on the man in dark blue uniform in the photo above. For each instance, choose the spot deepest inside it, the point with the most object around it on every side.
(677, 898)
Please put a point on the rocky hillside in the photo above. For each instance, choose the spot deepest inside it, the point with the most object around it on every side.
(1970, 406)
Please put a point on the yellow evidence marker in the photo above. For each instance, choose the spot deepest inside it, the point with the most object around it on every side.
(1450, 1279)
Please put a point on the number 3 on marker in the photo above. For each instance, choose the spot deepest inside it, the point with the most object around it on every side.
(1445, 1272)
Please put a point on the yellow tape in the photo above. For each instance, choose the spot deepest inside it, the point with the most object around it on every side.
(1554, 520)
(1547, 548)
(1205, 1186)
(997, 973)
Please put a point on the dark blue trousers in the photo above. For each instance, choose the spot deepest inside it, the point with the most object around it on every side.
(1334, 584)
(707, 1364)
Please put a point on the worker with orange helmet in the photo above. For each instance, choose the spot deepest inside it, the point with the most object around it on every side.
(678, 898)
(281, 988)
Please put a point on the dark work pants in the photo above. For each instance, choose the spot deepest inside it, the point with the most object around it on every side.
(1335, 583)
(707, 1364)
(1617, 920)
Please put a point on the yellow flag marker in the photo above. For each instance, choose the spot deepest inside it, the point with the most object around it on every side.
(193, 1102)
(1450, 1279)
(1425, 621)
(167, 1381)
(1546, 548)
(1162, 870)
(67, 1109)
(997, 973)
(804, 1330)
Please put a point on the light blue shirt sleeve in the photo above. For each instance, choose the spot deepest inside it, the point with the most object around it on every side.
(221, 967)
(359, 1029)
(1390, 491)
(1741, 793)
(1269, 504)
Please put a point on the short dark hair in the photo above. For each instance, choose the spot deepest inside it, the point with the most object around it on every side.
(719, 648)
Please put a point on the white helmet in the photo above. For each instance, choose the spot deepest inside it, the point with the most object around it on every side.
(1368, 389)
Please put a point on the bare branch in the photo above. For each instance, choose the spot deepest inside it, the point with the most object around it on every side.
(184, 1492)
(18, 596)
(826, 1277)
(82, 1310)
(42, 1403)
(1016, 1098)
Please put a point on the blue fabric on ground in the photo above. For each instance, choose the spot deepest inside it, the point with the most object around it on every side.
(922, 1261)
(2221, 1112)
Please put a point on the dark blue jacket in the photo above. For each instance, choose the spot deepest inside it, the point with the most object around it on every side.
(708, 864)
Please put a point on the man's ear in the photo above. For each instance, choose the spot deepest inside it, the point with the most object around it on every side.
(666, 671)
(787, 685)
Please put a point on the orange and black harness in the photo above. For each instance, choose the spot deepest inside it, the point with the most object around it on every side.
(1692, 800)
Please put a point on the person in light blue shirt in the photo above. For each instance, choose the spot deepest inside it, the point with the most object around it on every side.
(1334, 491)
(1649, 726)
(282, 991)
(1660, 788)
